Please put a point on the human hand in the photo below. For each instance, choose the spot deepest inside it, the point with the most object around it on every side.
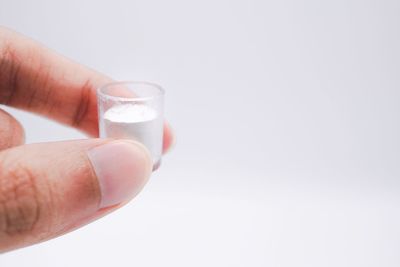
(49, 189)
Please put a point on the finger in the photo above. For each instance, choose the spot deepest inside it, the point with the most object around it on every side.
(37, 79)
(168, 139)
(50, 188)
(11, 131)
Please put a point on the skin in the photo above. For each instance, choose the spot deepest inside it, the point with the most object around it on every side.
(47, 189)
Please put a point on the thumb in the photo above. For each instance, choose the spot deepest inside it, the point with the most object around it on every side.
(51, 188)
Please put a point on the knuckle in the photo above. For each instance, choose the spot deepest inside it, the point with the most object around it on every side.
(10, 70)
(20, 208)
(23, 73)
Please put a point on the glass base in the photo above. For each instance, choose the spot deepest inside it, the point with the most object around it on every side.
(156, 165)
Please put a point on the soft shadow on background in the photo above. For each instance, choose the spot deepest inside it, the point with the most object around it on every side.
(287, 118)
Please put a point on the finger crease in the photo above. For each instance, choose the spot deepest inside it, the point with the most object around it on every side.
(83, 106)
(13, 74)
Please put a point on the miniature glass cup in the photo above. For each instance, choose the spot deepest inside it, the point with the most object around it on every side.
(133, 110)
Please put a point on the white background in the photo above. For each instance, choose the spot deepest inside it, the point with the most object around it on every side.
(287, 119)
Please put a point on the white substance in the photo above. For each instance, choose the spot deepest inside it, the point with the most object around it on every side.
(138, 122)
(130, 113)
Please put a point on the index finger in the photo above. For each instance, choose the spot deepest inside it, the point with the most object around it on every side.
(36, 79)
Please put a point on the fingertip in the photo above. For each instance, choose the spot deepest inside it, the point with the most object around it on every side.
(11, 131)
(169, 138)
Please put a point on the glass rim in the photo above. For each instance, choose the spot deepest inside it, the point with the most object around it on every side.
(102, 94)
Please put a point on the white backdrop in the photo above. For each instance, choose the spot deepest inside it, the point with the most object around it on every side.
(287, 119)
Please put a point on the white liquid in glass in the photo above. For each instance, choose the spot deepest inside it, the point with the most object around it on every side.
(138, 122)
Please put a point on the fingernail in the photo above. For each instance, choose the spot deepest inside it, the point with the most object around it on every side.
(122, 169)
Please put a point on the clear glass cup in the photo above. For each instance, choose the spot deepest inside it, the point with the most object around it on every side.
(133, 110)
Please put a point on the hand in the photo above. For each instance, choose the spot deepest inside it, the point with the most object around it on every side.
(49, 189)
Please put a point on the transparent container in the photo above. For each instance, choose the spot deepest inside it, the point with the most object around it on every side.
(133, 110)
